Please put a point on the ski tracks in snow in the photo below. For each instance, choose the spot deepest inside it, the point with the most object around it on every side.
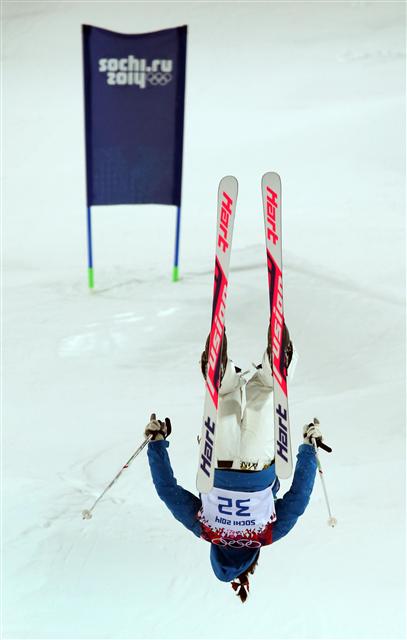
(110, 335)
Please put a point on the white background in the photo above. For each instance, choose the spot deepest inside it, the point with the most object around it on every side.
(315, 91)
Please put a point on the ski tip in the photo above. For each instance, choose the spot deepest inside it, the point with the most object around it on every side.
(229, 184)
(231, 180)
(271, 176)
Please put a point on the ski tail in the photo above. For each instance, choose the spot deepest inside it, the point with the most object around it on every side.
(227, 195)
(271, 193)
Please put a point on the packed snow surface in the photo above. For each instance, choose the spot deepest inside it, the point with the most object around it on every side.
(314, 91)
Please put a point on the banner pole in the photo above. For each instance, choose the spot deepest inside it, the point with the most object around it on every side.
(90, 252)
(175, 270)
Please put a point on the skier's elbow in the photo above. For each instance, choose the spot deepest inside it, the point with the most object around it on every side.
(164, 491)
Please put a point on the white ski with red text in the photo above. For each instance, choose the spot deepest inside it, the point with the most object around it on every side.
(227, 195)
(271, 192)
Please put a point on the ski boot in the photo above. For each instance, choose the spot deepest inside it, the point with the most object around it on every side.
(224, 357)
(287, 347)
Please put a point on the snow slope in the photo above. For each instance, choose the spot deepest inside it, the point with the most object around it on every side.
(316, 92)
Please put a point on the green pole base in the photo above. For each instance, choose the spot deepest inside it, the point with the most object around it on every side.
(91, 281)
(175, 274)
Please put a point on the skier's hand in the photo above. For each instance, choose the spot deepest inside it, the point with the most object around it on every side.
(313, 434)
(158, 429)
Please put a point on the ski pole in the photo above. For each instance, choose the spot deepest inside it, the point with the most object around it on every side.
(87, 513)
(331, 520)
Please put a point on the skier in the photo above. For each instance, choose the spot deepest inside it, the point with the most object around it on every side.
(245, 473)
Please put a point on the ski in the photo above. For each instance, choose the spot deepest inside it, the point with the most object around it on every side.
(271, 192)
(227, 194)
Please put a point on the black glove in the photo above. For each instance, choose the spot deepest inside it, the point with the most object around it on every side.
(158, 429)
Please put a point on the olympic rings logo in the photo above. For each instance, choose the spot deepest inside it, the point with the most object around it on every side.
(159, 78)
(237, 544)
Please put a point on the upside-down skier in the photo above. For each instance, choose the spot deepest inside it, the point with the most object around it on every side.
(241, 513)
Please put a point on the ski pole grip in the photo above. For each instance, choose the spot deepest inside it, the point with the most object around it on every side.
(325, 447)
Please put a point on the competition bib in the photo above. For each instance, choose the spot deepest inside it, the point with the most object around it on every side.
(237, 519)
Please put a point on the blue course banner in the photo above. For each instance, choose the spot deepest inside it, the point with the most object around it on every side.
(134, 115)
